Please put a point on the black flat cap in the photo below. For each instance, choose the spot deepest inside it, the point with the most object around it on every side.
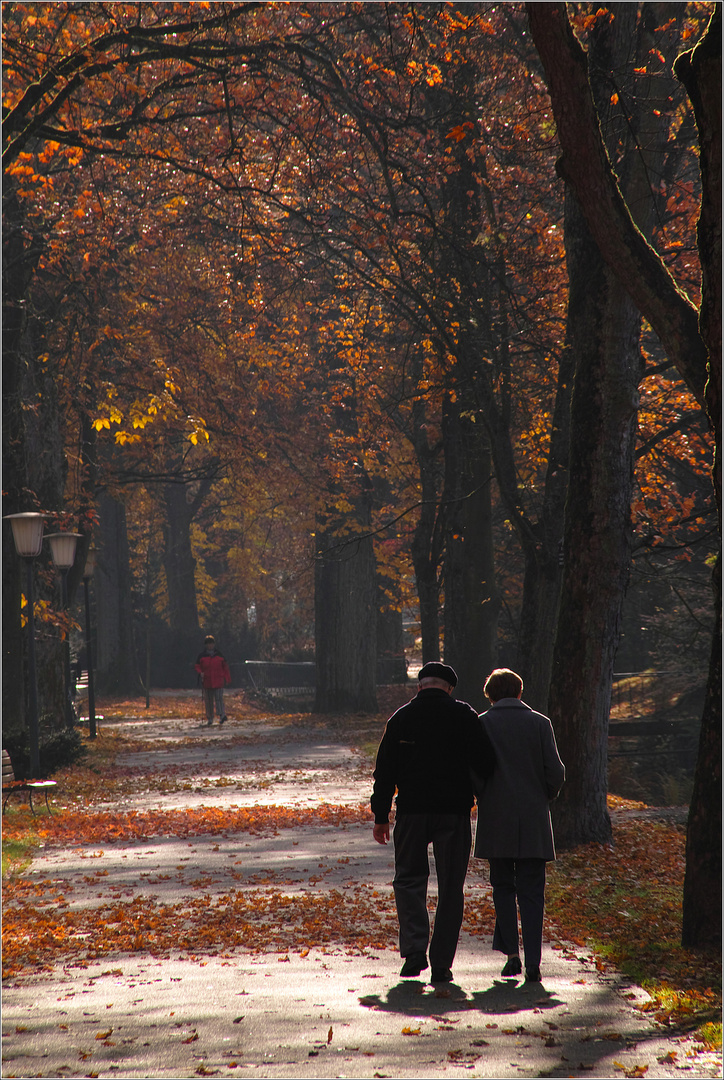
(434, 670)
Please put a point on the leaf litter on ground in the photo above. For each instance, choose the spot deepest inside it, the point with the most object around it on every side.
(626, 910)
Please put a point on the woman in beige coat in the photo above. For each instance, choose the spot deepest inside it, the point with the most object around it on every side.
(514, 830)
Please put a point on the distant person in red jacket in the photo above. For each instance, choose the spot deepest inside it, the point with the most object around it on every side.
(214, 673)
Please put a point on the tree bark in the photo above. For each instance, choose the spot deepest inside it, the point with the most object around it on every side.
(178, 560)
(345, 620)
(471, 599)
(700, 71)
(543, 550)
(429, 537)
(597, 540)
(345, 591)
(116, 660)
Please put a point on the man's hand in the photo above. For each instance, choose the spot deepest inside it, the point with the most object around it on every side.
(381, 833)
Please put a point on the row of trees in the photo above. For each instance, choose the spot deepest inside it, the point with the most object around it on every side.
(306, 321)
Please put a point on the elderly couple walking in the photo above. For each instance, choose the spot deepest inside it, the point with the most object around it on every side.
(438, 754)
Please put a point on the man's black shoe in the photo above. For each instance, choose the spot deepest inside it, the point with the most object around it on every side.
(441, 975)
(413, 965)
(532, 975)
(513, 967)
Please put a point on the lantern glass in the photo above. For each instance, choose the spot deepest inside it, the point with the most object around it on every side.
(27, 533)
(62, 546)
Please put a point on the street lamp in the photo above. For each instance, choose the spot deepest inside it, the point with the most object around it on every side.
(62, 547)
(88, 571)
(28, 539)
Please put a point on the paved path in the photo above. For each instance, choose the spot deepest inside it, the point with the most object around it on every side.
(334, 1011)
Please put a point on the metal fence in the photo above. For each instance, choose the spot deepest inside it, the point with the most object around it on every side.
(273, 677)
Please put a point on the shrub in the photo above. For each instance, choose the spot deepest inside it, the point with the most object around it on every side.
(63, 746)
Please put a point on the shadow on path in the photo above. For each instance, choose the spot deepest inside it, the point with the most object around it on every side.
(415, 998)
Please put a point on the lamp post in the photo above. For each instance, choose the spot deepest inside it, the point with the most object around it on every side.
(28, 539)
(88, 571)
(62, 546)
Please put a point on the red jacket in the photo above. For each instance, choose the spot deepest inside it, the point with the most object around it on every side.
(213, 669)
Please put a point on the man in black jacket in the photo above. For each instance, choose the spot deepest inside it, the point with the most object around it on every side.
(427, 752)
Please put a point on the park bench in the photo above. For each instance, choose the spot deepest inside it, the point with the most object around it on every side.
(11, 786)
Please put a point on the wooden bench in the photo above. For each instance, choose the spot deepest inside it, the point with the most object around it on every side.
(11, 786)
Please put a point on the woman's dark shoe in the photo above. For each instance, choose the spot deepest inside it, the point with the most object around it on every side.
(532, 975)
(441, 975)
(413, 965)
(513, 967)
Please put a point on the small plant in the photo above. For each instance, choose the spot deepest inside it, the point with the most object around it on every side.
(58, 747)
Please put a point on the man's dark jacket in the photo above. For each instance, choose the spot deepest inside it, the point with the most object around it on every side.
(427, 752)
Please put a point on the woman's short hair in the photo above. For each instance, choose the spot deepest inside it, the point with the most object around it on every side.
(503, 683)
(209, 639)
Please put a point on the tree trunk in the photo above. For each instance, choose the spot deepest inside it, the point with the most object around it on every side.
(597, 539)
(700, 71)
(116, 661)
(345, 620)
(179, 562)
(429, 537)
(544, 550)
(471, 599)
(391, 663)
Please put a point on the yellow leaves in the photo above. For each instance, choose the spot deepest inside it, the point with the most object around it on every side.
(633, 1071)
(104, 1034)
(115, 416)
(411, 1031)
(198, 432)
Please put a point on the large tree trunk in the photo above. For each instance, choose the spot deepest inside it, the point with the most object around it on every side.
(471, 599)
(693, 343)
(603, 427)
(700, 71)
(179, 562)
(34, 468)
(345, 620)
(115, 659)
(15, 482)
(544, 549)
(429, 537)
(391, 663)
(345, 593)
(597, 544)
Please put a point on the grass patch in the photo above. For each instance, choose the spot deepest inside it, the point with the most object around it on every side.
(624, 903)
(17, 853)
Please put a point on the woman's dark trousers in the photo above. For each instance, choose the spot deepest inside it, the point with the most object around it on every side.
(524, 880)
(450, 837)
